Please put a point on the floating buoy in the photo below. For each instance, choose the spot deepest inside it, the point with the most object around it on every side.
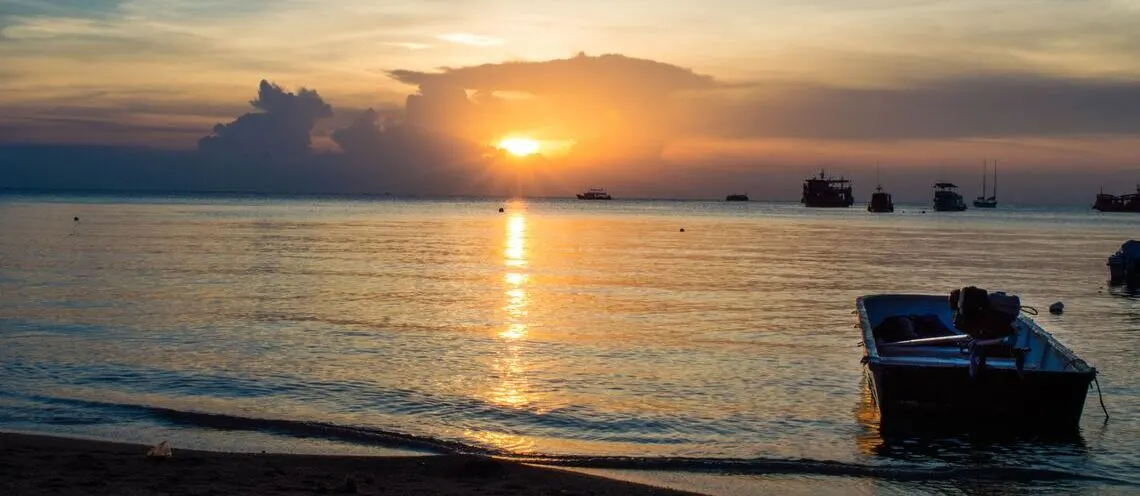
(1057, 308)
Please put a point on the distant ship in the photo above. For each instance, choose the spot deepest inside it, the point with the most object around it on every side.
(1122, 203)
(737, 197)
(982, 201)
(947, 198)
(595, 194)
(826, 191)
(881, 201)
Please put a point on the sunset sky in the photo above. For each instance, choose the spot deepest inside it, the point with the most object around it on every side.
(709, 91)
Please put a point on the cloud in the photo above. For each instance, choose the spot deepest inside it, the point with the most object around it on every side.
(409, 45)
(282, 128)
(973, 107)
(606, 74)
(471, 39)
(611, 105)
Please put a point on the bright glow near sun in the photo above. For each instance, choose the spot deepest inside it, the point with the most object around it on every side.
(519, 147)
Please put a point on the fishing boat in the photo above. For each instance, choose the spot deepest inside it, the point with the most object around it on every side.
(972, 356)
(947, 198)
(826, 191)
(595, 194)
(881, 201)
(737, 197)
(983, 201)
(1124, 265)
(1122, 203)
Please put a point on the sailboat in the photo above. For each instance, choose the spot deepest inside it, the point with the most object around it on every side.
(982, 201)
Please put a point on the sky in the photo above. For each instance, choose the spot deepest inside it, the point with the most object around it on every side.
(660, 99)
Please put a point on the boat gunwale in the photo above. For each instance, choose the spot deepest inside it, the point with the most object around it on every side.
(1076, 364)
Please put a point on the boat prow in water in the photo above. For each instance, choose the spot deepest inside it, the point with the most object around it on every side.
(1002, 367)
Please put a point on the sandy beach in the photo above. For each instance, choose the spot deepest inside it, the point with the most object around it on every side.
(31, 464)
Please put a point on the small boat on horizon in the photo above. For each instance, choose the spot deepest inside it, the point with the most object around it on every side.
(983, 201)
(595, 194)
(947, 198)
(1122, 203)
(881, 201)
(737, 197)
(969, 357)
(827, 192)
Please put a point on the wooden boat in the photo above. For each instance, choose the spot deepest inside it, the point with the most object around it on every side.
(1123, 203)
(918, 361)
(947, 198)
(827, 192)
(881, 202)
(595, 194)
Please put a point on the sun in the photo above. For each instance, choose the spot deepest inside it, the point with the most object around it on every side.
(519, 147)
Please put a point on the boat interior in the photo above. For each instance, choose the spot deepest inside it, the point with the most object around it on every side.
(890, 321)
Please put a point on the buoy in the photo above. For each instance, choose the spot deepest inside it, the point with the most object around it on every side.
(500, 210)
(1057, 308)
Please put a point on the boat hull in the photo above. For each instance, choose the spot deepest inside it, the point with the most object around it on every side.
(982, 204)
(829, 203)
(994, 396)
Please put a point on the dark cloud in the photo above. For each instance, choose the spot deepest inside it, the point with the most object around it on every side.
(1009, 106)
(283, 128)
(610, 104)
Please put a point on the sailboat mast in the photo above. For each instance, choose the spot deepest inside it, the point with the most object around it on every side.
(984, 171)
(995, 180)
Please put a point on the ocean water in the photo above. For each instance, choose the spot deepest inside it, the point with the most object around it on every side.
(721, 359)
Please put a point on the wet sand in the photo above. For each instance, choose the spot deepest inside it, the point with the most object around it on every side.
(32, 464)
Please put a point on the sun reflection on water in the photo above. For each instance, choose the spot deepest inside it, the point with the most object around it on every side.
(512, 387)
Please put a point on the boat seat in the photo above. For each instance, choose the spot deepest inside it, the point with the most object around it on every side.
(907, 327)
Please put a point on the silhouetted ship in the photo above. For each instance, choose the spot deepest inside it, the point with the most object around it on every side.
(1122, 203)
(737, 197)
(982, 201)
(826, 191)
(947, 198)
(881, 201)
(594, 194)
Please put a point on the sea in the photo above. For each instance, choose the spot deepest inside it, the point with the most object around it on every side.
(701, 345)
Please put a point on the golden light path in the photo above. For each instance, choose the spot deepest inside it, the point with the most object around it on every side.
(512, 387)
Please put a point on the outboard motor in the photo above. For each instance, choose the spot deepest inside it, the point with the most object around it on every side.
(984, 315)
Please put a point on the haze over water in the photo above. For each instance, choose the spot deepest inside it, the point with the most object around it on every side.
(555, 328)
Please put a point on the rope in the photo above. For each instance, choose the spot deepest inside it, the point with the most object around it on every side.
(1029, 310)
(1101, 397)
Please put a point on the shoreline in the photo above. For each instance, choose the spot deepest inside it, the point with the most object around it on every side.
(46, 464)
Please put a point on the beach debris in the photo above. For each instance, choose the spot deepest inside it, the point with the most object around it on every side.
(160, 450)
(1057, 308)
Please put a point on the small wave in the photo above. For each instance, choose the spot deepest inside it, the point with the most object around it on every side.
(741, 466)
